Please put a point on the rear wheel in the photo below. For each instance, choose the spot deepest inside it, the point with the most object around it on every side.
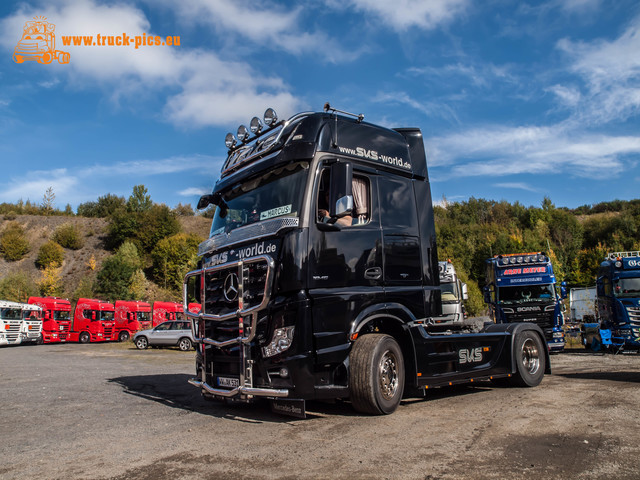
(530, 359)
(142, 343)
(184, 344)
(376, 379)
(84, 337)
(123, 336)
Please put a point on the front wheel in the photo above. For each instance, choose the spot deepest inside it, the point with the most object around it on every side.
(376, 379)
(142, 343)
(84, 337)
(530, 359)
(123, 336)
(184, 344)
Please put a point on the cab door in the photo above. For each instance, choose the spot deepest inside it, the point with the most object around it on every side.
(345, 262)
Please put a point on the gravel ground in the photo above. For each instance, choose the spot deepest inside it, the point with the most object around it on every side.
(111, 411)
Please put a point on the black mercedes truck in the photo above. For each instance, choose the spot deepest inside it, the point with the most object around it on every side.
(319, 279)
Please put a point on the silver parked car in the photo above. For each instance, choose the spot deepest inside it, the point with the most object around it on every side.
(167, 334)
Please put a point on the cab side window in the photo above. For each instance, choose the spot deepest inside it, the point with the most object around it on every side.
(361, 190)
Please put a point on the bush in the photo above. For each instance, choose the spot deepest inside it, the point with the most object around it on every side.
(18, 287)
(68, 236)
(50, 283)
(13, 242)
(117, 274)
(50, 254)
(173, 257)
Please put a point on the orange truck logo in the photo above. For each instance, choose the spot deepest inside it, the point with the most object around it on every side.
(38, 43)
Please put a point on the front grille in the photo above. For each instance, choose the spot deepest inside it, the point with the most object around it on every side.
(251, 286)
(12, 331)
(634, 314)
(108, 331)
(543, 319)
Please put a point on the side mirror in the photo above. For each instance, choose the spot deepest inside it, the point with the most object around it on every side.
(205, 201)
(213, 199)
(563, 290)
(93, 315)
(486, 294)
(47, 314)
(465, 292)
(341, 196)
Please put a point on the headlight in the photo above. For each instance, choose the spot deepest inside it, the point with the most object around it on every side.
(558, 335)
(281, 341)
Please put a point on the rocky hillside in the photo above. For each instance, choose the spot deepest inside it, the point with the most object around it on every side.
(77, 263)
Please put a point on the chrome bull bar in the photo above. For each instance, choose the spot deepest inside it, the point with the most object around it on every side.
(245, 335)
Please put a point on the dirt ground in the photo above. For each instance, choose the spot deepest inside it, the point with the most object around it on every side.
(111, 411)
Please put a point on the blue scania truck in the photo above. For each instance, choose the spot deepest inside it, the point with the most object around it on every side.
(618, 297)
(521, 287)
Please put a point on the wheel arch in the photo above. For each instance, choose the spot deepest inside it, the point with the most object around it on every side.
(392, 320)
(514, 329)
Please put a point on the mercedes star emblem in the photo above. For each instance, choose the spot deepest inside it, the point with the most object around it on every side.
(230, 288)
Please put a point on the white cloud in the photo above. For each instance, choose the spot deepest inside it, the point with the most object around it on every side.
(569, 96)
(83, 184)
(190, 192)
(208, 89)
(501, 151)
(270, 25)
(611, 71)
(429, 109)
(404, 14)
(517, 186)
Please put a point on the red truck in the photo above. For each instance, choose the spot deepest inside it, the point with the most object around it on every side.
(93, 321)
(131, 317)
(167, 311)
(56, 324)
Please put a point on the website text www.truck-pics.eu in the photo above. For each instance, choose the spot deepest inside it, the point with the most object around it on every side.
(122, 40)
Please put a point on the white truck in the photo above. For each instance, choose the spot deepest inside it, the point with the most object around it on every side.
(31, 323)
(454, 292)
(10, 323)
(582, 303)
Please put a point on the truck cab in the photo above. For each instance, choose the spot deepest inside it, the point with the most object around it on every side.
(56, 324)
(93, 321)
(167, 311)
(32, 316)
(521, 288)
(453, 295)
(618, 297)
(320, 276)
(130, 317)
(10, 323)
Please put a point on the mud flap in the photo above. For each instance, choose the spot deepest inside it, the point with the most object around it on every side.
(293, 408)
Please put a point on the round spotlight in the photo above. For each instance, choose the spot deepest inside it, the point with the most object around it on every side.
(255, 125)
(230, 140)
(527, 259)
(618, 264)
(520, 259)
(542, 258)
(270, 117)
(243, 133)
(513, 259)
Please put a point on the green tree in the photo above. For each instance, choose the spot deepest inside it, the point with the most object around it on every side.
(139, 201)
(68, 236)
(50, 254)
(115, 278)
(173, 257)
(18, 287)
(13, 242)
(48, 201)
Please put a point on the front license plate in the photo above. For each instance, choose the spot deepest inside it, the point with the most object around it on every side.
(228, 382)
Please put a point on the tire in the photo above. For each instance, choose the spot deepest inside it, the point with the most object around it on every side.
(185, 344)
(18, 58)
(142, 343)
(376, 378)
(63, 57)
(530, 360)
(84, 337)
(47, 58)
(123, 336)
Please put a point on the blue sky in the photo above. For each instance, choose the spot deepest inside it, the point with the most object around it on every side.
(517, 100)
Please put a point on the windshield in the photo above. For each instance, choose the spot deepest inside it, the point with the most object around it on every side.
(11, 314)
(144, 316)
(449, 292)
(106, 316)
(274, 194)
(31, 315)
(59, 315)
(526, 293)
(626, 287)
